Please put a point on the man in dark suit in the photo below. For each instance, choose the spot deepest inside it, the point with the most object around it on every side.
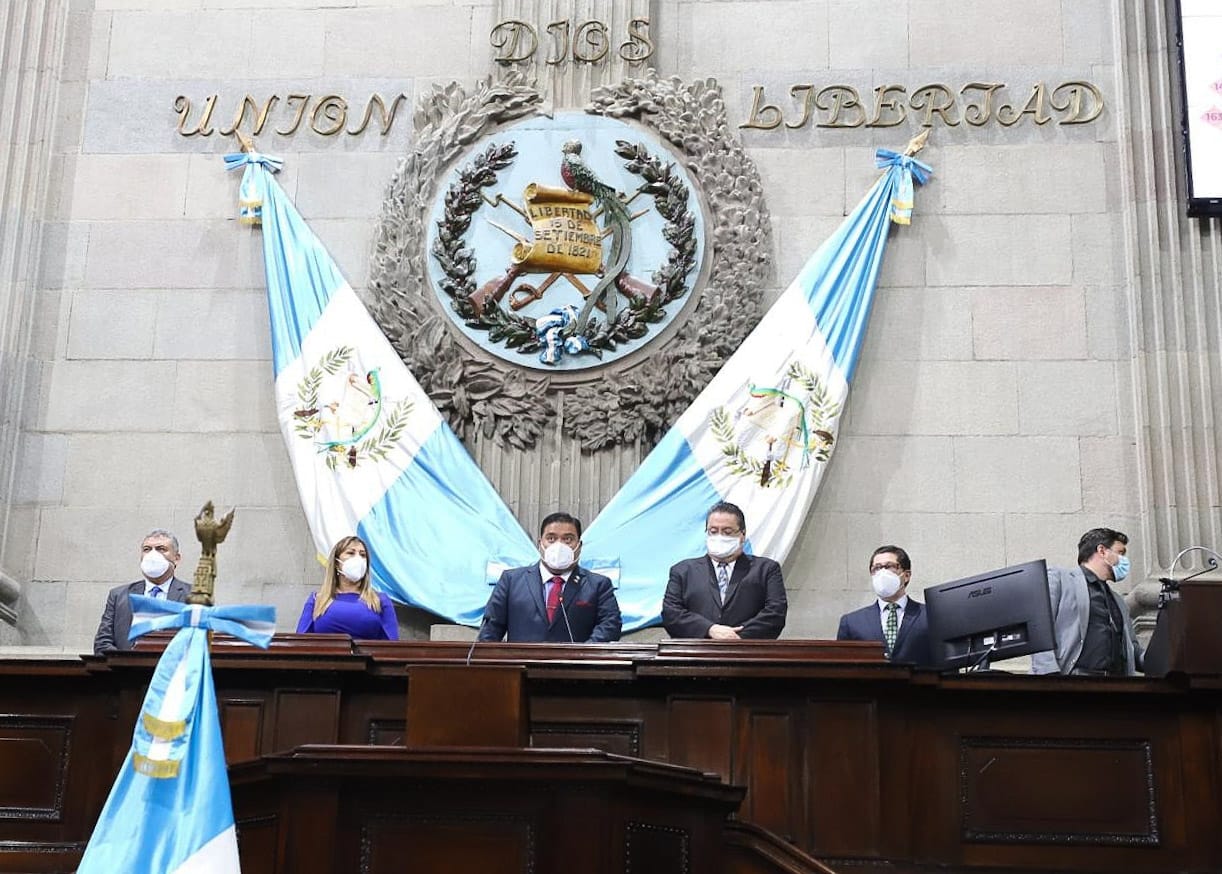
(725, 594)
(895, 619)
(159, 558)
(554, 601)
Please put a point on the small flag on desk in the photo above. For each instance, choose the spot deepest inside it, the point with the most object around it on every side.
(169, 811)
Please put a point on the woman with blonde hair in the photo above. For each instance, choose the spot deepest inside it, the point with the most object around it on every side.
(346, 602)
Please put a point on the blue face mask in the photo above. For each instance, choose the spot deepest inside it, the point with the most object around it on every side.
(1120, 569)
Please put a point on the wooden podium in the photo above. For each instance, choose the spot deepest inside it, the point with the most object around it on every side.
(1186, 638)
(467, 706)
(466, 794)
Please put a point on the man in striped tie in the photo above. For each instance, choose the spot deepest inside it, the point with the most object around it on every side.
(159, 558)
(725, 594)
(894, 618)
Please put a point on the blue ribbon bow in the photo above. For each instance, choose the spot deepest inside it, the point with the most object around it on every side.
(250, 194)
(908, 167)
(171, 706)
(253, 624)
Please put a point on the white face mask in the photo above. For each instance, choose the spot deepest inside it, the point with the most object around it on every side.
(721, 545)
(154, 565)
(559, 556)
(353, 568)
(886, 584)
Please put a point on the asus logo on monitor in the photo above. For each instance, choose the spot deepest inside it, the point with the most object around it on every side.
(976, 593)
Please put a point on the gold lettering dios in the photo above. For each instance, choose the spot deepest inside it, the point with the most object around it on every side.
(326, 114)
(976, 104)
(584, 42)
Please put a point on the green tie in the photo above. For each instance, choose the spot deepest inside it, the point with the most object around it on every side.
(891, 631)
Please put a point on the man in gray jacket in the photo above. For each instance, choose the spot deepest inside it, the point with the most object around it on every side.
(159, 560)
(1094, 633)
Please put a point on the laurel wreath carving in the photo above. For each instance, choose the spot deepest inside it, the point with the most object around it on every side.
(507, 404)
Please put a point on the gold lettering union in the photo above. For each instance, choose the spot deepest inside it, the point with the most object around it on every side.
(328, 114)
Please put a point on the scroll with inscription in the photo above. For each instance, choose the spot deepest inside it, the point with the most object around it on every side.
(567, 240)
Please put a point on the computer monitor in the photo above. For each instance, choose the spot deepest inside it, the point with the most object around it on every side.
(992, 616)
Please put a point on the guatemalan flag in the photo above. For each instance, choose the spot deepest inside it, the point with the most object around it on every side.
(371, 453)
(762, 431)
(169, 811)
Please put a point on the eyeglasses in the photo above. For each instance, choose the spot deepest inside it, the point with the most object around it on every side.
(887, 566)
(723, 532)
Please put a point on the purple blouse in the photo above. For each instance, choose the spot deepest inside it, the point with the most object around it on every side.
(349, 615)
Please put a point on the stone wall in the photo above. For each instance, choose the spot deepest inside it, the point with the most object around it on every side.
(1034, 364)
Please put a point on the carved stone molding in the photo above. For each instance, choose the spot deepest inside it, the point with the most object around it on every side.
(1173, 265)
(29, 63)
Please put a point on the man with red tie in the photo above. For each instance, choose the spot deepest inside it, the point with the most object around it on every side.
(556, 600)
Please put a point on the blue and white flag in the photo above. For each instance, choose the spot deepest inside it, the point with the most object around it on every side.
(169, 811)
(371, 453)
(762, 431)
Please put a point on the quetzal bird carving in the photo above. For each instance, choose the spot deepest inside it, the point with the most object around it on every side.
(579, 177)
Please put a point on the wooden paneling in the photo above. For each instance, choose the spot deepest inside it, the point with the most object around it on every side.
(485, 843)
(33, 766)
(386, 732)
(842, 792)
(259, 842)
(864, 762)
(305, 716)
(622, 738)
(1034, 790)
(242, 728)
(701, 733)
(769, 765)
(40, 857)
(654, 849)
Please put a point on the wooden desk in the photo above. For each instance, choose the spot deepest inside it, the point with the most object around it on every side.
(842, 755)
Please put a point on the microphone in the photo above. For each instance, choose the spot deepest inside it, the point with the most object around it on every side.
(565, 614)
(480, 631)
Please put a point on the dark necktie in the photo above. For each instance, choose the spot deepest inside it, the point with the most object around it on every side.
(892, 628)
(553, 597)
(156, 593)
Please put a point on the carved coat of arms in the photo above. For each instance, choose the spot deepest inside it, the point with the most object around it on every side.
(565, 254)
(606, 261)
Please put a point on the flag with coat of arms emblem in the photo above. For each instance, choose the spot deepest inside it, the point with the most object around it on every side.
(371, 453)
(761, 433)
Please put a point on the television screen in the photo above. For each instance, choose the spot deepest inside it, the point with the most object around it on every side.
(1200, 32)
(991, 616)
